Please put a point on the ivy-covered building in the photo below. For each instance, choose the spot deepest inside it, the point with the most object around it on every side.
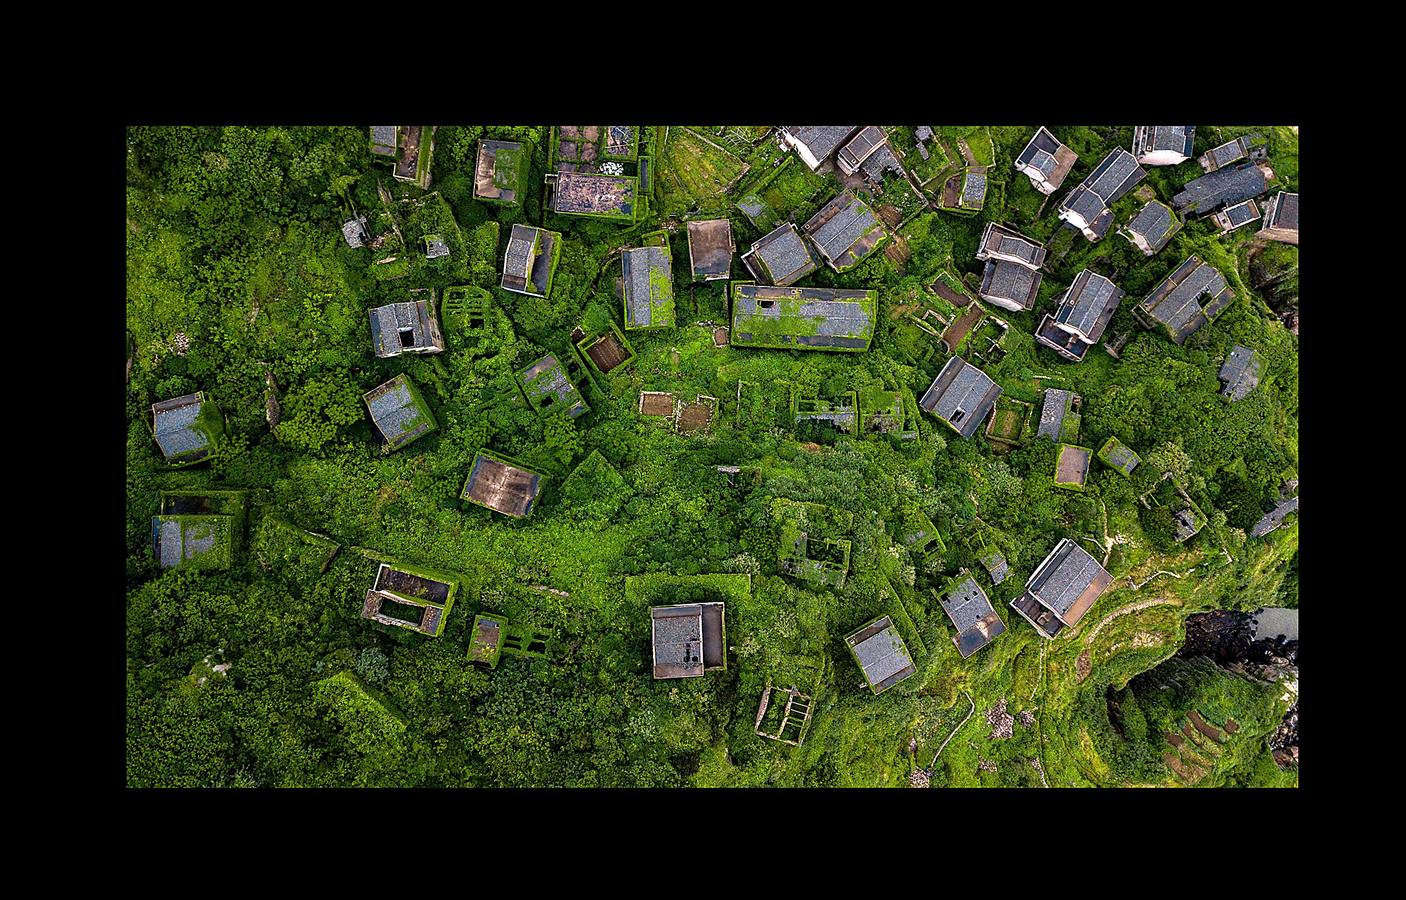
(649, 286)
(1192, 295)
(198, 529)
(1152, 227)
(845, 231)
(502, 485)
(498, 172)
(802, 318)
(530, 260)
(186, 428)
(410, 597)
(972, 615)
(545, 385)
(1062, 589)
(407, 327)
(687, 639)
(398, 413)
(1117, 455)
(1058, 421)
(881, 653)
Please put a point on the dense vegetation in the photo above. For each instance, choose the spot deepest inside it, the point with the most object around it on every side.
(240, 284)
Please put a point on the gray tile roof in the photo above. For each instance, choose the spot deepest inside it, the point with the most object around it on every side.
(1178, 138)
(785, 255)
(1119, 455)
(547, 377)
(839, 225)
(1241, 213)
(1050, 160)
(880, 161)
(1086, 202)
(1069, 581)
(677, 635)
(383, 139)
(865, 142)
(1009, 281)
(1225, 154)
(1275, 517)
(1089, 304)
(996, 566)
(394, 412)
(1240, 372)
(1220, 187)
(882, 655)
(1117, 174)
(1070, 346)
(639, 265)
(831, 317)
(1189, 297)
(1284, 212)
(174, 423)
(963, 391)
(1154, 223)
(435, 247)
(821, 140)
(1052, 413)
(973, 189)
(1001, 242)
(354, 230)
(976, 622)
(177, 541)
(388, 321)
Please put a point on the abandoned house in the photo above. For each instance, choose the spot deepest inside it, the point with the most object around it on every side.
(1045, 161)
(781, 257)
(1152, 227)
(198, 529)
(502, 486)
(398, 413)
(408, 327)
(881, 654)
(1011, 278)
(1240, 372)
(961, 396)
(1236, 216)
(1274, 519)
(530, 260)
(184, 427)
(994, 562)
(1089, 206)
(497, 172)
(1230, 152)
(486, 645)
(687, 639)
(416, 599)
(845, 231)
(977, 623)
(710, 249)
(814, 143)
(1058, 421)
(545, 385)
(859, 148)
(354, 230)
(1072, 467)
(1117, 455)
(1281, 219)
(435, 247)
(649, 287)
(588, 194)
(973, 196)
(1192, 295)
(1163, 145)
(787, 724)
(385, 140)
(1223, 187)
(802, 318)
(416, 149)
(1062, 589)
(1188, 523)
(1083, 313)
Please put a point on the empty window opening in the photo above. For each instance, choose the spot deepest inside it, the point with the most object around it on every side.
(407, 337)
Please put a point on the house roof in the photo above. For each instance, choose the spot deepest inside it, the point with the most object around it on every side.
(1086, 202)
(1177, 138)
(1052, 413)
(649, 287)
(395, 413)
(784, 255)
(492, 182)
(1048, 156)
(546, 378)
(676, 633)
(1240, 372)
(1155, 223)
(710, 248)
(587, 193)
(866, 141)
(1000, 242)
(996, 566)
(1119, 455)
(517, 262)
(820, 140)
(1117, 174)
(1225, 154)
(1013, 282)
(1283, 212)
(1275, 517)
(964, 391)
(174, 423)
(845, 230)
(1069, 581)
(973, 189)
(354, 230)
(802, 318)
(880, 161)
(1068, 345)
(1242, 213)
(383, 139)
(177, 539)
(389, 322)
(881, 653)
(1222, 186)
(501, 487)
(977, 623)
(1193, 294)
(1089, 304)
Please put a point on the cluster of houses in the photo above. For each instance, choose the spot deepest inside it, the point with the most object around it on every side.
(689, 640)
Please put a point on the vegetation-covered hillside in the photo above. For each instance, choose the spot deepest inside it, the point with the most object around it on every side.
(241, 285)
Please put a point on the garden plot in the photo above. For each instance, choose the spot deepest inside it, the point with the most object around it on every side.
(695, 172)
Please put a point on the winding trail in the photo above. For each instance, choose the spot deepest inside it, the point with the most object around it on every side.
(955, 730)
(1132, 607)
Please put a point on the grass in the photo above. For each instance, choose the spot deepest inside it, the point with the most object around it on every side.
(695, 172)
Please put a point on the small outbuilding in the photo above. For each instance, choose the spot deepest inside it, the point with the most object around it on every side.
(881, 654)
(970, 611)
(687, 639)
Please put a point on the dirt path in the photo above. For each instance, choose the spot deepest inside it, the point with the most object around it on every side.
(955, 730)
(1132, 607)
